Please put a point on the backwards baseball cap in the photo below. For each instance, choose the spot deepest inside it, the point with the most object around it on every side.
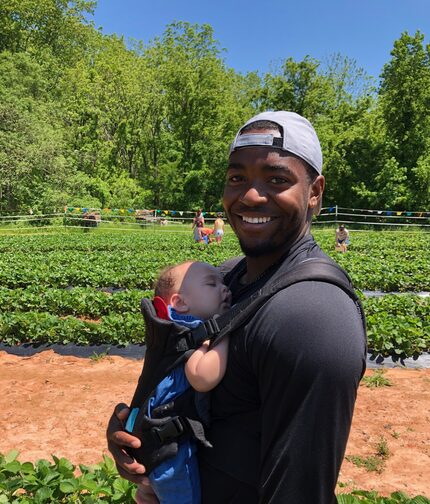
(298, 137)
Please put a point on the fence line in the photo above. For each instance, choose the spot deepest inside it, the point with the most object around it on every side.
(329, 215)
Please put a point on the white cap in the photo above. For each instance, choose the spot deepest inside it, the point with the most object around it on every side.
(298, 137)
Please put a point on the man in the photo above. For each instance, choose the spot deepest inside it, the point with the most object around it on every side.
(282, 413)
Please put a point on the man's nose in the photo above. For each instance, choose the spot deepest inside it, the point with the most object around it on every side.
(254, 195)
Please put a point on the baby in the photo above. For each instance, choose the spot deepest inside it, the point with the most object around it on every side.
(193, 292)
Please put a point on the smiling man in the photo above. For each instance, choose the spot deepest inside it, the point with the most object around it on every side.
(271, 193)
(282, 413)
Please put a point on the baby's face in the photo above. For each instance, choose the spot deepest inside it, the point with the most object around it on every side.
(204, 291)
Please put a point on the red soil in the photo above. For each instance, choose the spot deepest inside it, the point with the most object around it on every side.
(59, 405)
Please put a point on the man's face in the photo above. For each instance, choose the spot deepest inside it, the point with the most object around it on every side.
(268, 199)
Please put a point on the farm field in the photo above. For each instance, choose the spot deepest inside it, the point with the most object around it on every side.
(84, 288)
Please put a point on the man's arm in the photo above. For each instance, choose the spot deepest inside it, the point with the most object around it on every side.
(308, 355)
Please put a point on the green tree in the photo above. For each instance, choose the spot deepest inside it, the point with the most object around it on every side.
(31, 144)
(32, 25)
(421, 171)
(298, 86)
(405, 98)
(197, 116)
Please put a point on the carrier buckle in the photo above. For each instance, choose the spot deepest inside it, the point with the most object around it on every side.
(208, 330)
(173, 428)
(212, 326)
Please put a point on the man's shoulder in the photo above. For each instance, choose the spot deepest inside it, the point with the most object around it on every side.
(308, 303)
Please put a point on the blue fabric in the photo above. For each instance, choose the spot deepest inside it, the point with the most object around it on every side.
(176, 480)
(186, 320)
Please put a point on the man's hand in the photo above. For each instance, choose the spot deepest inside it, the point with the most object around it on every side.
(117, 439)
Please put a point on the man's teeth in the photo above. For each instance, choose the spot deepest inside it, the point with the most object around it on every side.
(256, 220)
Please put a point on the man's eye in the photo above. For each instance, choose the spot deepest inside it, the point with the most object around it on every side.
(235, 178)
(277, 180)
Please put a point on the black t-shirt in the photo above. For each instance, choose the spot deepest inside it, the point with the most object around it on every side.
(282, 413)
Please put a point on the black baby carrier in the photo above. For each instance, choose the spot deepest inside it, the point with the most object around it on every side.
(169, 344)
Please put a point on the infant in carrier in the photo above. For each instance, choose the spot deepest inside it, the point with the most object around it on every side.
(187, 293)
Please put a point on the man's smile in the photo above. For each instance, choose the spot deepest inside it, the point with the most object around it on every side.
(256, 220)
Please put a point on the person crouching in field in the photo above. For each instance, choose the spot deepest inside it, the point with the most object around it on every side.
(342, 238)
(191, 292)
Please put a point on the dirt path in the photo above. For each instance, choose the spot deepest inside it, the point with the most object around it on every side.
(52, 404)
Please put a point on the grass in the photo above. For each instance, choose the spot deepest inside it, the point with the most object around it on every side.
(96, 357)
(371, 463)
(382, 450)
(377, 379)
(374, 462)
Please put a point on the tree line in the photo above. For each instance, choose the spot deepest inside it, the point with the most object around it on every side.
(91, 120)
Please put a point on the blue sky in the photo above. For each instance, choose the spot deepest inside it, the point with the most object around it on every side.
(258, 34)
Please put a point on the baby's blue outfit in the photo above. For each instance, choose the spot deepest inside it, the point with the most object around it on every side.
(176, 480)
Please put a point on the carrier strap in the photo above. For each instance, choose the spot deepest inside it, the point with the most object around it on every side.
(313, 269)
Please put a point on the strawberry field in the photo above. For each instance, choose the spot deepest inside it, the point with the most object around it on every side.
(85, 288)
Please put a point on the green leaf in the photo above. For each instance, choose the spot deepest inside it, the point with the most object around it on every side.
(11, 456)
(13, 467)
(69, 486)
(43, 494)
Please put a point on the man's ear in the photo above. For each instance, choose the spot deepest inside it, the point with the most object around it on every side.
(178, 303)
(315, 196)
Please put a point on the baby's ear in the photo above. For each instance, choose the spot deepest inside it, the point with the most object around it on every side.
(178, 303)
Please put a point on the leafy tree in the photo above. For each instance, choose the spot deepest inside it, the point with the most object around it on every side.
(88, 120)
(32, 25)
(125, 192)
(199, 112)
(31, 144)
(299, 87)
(421, 171)
(405, 98)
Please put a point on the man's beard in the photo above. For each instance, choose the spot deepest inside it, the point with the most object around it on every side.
(259, 250)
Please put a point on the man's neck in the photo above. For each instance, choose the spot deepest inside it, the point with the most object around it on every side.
(257, 266)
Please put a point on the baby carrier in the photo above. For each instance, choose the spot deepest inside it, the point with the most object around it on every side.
(169, 345)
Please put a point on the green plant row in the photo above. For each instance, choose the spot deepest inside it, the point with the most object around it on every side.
(57, 482)
(99, 241)
(398, 324)
(405, 335)
(80, 301)
(389, 273)
(95, 302)
(38, 328)
(363, 497)
(120, 269)
(375, 261)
